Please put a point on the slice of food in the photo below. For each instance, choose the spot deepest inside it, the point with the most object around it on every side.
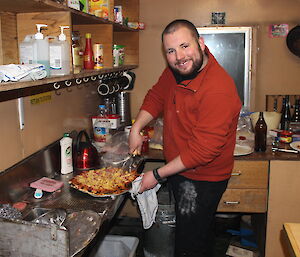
(105, 181)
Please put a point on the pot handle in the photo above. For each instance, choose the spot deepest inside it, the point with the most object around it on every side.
(79, 136)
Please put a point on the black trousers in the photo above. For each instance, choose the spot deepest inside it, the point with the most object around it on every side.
(195, 205)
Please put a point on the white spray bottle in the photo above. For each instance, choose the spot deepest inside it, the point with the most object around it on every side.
(41, 49)
(66, 154)
(60, 55)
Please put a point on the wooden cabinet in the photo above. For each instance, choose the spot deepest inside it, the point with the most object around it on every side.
(18, 19)
(283, 204)
(247, 188)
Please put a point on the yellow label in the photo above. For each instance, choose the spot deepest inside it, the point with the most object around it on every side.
(41, 98)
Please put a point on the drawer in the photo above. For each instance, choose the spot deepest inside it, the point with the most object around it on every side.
(249, 174)
(244, 200)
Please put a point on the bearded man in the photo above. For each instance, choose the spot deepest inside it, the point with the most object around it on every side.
(200, 107)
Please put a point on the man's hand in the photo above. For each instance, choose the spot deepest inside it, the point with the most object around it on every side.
(148, 181)
(135, 142)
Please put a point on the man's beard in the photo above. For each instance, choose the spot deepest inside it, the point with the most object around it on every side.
(193, 73)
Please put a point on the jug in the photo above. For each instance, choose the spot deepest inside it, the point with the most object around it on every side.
(86, 155)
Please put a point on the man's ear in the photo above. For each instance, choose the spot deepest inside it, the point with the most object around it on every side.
(201, 43)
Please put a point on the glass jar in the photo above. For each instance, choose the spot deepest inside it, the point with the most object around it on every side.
(285, 136)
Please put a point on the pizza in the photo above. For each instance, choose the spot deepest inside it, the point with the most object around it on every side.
(105, 181)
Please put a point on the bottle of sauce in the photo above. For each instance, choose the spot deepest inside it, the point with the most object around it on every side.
(77, 52)
(296, 115)
(285, 114)
(260, 134)
(88, 57)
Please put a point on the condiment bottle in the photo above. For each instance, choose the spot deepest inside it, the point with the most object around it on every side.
(77, 52)
(285, 114)
(296, 115)
(260, 134)
(88, 61)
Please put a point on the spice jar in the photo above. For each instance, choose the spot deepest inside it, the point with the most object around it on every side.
(285, 136)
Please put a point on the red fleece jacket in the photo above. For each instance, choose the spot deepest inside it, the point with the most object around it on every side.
(200, 119)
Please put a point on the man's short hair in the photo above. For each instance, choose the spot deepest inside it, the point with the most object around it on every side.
(176, 24)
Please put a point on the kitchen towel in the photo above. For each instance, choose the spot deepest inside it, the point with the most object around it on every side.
(147, 201)
(24, 72)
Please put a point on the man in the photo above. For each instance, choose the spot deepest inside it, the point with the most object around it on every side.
(200, 106)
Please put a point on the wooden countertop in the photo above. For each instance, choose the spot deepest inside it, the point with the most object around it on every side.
(292, 231)
(157, 155)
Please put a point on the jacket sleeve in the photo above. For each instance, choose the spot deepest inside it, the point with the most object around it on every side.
(156, 96)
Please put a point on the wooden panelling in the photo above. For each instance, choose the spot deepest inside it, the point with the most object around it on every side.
(8, 39)
(283, 203)
(130, 9)
(131, 42)
(101, 34)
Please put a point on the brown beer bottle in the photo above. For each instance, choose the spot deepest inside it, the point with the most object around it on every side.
(260, 134)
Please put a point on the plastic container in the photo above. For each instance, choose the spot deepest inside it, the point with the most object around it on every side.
(66, 154)
(101, 127)
(59, 51)
(35, 49)
(117, 246)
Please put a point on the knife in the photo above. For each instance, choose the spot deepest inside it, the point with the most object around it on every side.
(274, 149)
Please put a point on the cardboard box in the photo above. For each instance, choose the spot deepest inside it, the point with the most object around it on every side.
(99, 8)
(84, 5)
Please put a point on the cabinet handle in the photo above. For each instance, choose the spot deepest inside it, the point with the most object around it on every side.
(231, 202)
(236, 173)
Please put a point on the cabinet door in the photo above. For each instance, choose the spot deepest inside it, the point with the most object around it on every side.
(283, 204)
(249, 174)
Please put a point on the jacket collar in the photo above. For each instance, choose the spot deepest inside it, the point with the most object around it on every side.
(195, 84)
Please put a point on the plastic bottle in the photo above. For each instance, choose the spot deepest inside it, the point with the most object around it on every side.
(285, 114)
(88, 57)
(260, 137)
(66, 154)
(35, 49)
(26, 51)
(41, 48)
(101, 126)
(77, 52)
(60, 55)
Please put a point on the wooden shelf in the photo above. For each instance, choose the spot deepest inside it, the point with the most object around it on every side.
(13, 90)
(78, 17)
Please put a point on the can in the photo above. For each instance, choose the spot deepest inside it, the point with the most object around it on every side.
(98, 56)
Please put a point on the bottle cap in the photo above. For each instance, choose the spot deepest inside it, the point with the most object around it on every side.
(88, 35)
(66, 134)
(101, 106)
(62, 36)
(39, 35)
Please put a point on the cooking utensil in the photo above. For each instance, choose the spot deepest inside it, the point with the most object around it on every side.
(275, 149)
(86, 155)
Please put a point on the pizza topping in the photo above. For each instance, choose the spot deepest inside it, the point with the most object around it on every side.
(105, 181)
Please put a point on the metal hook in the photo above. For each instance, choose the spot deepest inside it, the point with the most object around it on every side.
(68, 83)
(86, 79)
(56, 85)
